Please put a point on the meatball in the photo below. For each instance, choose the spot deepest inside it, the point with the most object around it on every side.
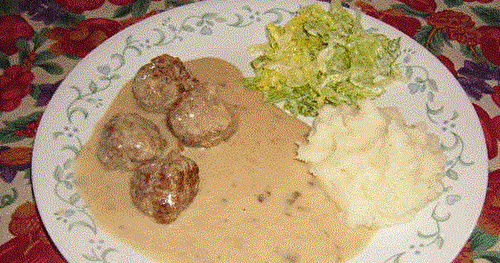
(158, 84)
(201, 119)
(127, 140)
(164, 188)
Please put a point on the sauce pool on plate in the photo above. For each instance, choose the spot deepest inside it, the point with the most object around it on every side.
(256, 202)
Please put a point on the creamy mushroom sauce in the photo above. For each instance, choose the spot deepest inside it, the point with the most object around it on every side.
(256, 202)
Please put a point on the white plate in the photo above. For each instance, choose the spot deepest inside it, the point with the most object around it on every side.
(225, 30)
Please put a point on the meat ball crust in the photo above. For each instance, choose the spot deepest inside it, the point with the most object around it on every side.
(201, 119)
(158, 84)
(127, 140)
(162, 189)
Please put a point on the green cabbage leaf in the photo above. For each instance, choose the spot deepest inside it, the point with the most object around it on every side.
(322, 57)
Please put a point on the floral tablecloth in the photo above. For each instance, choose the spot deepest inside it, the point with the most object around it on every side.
(42, 40)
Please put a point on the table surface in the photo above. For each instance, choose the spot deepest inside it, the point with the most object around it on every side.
(41, 41)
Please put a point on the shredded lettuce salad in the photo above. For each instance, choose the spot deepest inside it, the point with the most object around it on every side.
(322, 57)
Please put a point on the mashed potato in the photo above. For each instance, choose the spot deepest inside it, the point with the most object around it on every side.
(379, 170)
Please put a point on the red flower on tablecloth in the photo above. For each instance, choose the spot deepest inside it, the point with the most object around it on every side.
(466, 255)
(79, 6)
(84, 37)
(426, 6)
(15, 83)
(490, 43)
(122, 2)
(30, 243)
(12, 29)
(125, 2)
(489, 221)
(491, 130)
(30, 128)
(394, 17)
(457, 26)
(496, 96)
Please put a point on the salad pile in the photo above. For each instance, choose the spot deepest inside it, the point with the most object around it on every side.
(322, 57)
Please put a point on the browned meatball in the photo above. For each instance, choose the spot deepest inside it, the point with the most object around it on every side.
(127, 140)
(158, 84)
(201, 119)
(164, 188)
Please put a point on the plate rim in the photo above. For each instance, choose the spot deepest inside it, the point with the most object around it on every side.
(52, 106)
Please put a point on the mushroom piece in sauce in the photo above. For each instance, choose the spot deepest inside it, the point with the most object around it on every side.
(127, 140)
(162, 189)
(158, 84)
(201, 119)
